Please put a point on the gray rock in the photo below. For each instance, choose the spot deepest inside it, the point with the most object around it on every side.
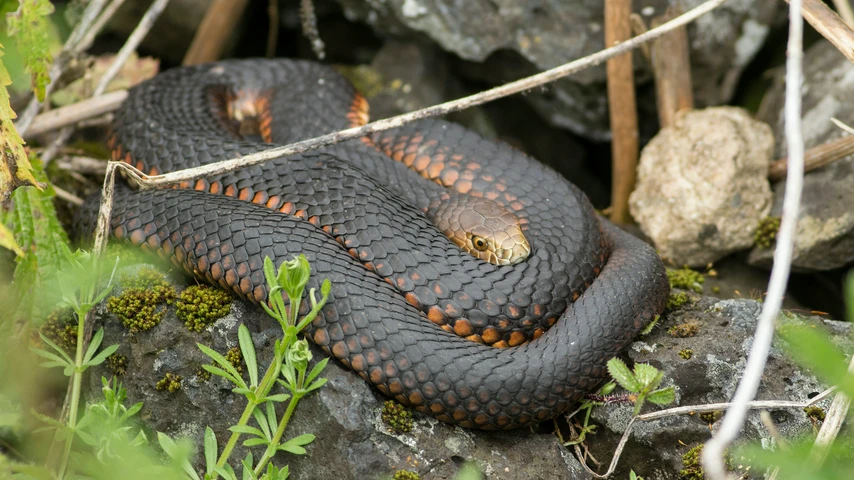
(702, 185)
(353, 443)
(825, 230)
(543, 35)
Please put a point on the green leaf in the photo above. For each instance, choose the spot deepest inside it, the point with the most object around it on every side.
(316, 370)
(51, 356)
(225, 364)
(247, 347)
(281, 397)
(849, 295)
(33, 36)
(222, 373)
(262, 422)
(178, 453)
(210, 450)
(813, 349)
(246, 429)
(662, 396)
(271, 417)
(93, 345)
(295, 444)
(621, 373)
(99, 359)
(252, 442)
(314, 386)
(226, 472)
(648, 376)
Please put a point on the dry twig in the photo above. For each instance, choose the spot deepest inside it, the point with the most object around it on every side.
(734, 419)
(76, 112)
(833, 421)
(273, 33)
(622, 108)
(671, 66)
(844, 9)
(830, 26)
(214, 31)
(816, 157)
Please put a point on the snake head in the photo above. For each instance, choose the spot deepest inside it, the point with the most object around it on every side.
(484, 228)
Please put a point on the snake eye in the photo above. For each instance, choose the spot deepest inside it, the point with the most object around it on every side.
(479, 243)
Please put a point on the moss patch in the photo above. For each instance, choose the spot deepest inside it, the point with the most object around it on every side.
(396, 417)
(170, 382)
(143, 302)
(686, 353)
(406, 475)
(200, 305)
(815, 413)
(766, 232)
(711, 417)
(684, 330)
(686, 279)
(677, 300)
(61, 328)
(235, 358)
(691, 461)
(117, 363)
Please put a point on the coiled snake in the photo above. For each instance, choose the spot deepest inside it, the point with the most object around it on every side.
(472, 342)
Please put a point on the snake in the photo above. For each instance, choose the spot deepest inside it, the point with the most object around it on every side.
(398, 222)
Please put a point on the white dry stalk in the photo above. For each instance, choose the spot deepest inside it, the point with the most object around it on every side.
(713, 462)
(691, 410)
(844, 9)
(836, 415)
(76, 112)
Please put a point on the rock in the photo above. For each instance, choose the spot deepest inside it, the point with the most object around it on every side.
(702, 185)
(354, 443)
(825, 230)
(532, 36)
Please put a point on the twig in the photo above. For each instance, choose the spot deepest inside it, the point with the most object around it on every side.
(214, 31)
(816, 157)
(622, 108)
(692, 409)
(130, 46)
(80, 164)
(76, 112)
(833, 421)
(829, 25)
(89, 38)
(671, 66)
(273, 32)
(68, 196)
(766, 419)
(309, 28)
(844, 9)
(528, 83)
(69, 50)
(733, 420)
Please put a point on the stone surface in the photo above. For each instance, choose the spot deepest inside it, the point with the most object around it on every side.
(825, 230)
(702, 186)
(520, 38)
(353, 443)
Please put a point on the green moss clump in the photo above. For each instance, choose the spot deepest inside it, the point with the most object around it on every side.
(203, 374)
(142, 303)
(711, 417)
(200, 305)
(117, 363)
(716, 289)
(406, 475)
(235, 358)
(766, 232)
(677, 300)
(686, 279)
(815, 413)
(693, 467)
(686, 353)
(684, 330)
(61, 328)
(170, 382)
(396, 417)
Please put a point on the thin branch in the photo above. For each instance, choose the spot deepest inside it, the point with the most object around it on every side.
(143, 27)
(309, 28)
(214, 31)
(273, 32)
(829, 25)
(76, 112)
(733, 420)
(816, 157)
(622, 107)
(528, 83)
(69, 49)
(693, 409)
(833, 421)
(89, 38)
(844, 9)
(68, 196)
(671, 66)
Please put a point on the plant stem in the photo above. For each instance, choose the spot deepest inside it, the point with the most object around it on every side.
(292, 405)
(260, 391)
(76, 380)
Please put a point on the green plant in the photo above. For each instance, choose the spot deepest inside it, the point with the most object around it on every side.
(686, 279)
(78, 282)
(396, 417)
(587, 407)
(291, 357)
(643, 383)
(200, 305)
(141, 305)
(766, 232)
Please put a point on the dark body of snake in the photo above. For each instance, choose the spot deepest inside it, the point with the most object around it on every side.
(409, 311)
